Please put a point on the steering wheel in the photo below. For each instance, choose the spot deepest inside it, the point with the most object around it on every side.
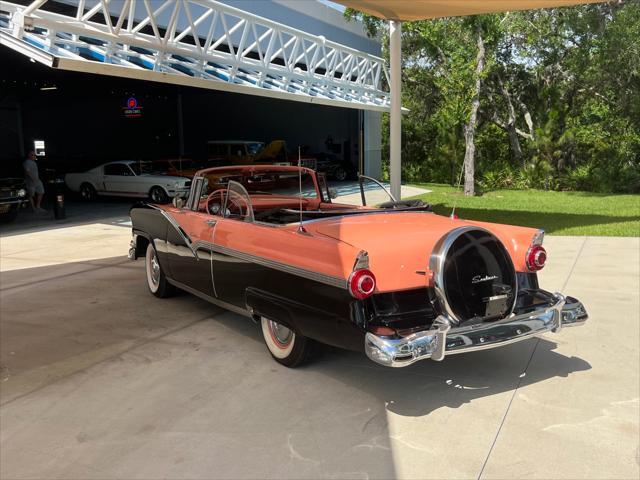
(214, 205)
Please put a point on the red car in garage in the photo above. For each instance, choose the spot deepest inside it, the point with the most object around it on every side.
(394, 280)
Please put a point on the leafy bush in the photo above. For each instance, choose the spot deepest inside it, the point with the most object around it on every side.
(567, 79)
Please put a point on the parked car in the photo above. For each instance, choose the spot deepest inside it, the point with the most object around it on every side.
(178, 167)
(245, 152)
(128, 179)
(13, 194)
(394, 280)
(334, 167)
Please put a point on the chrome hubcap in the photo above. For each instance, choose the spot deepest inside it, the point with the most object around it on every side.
(281, 334)
(155, 270)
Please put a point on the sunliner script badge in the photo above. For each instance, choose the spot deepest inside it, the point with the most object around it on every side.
(480, 278)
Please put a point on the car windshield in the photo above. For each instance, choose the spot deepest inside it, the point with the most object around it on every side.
(142, 168)
(267, 183)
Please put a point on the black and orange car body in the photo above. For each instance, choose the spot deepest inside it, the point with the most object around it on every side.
(395, 280)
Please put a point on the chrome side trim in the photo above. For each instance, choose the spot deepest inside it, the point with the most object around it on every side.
(283, 267)
(362, 260)
(442, 340)
(538, 237)
(208, 298)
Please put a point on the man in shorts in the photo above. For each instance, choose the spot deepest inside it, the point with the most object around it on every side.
(35, 188)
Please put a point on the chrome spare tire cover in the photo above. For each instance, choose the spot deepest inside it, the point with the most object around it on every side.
(474, 277)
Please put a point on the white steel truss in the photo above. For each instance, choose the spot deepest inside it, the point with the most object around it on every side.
(200, 43)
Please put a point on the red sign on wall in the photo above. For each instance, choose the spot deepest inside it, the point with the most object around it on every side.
(133, 108)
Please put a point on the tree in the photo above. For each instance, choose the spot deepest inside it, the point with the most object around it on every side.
(470, 127)
(543, 98)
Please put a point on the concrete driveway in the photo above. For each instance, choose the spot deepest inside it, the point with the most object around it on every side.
(102, 380)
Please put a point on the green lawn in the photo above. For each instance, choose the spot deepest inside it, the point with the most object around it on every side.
(558, 213)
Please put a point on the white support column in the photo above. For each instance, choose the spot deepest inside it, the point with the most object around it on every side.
(395, 123)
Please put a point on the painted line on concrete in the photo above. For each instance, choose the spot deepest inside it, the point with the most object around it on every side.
(504, 417)
(575, 262)
(526, 368)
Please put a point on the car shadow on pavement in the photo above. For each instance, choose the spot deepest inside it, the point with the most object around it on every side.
(425, 386)
(421, 388)
(61, 327)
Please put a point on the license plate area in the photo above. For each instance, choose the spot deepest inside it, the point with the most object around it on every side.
(496, 306)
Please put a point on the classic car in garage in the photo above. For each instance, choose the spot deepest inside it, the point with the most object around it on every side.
(251, 152)
(394, 280)
(128, 179)
(13, 194)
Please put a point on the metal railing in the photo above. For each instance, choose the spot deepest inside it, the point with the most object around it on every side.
(194, 42)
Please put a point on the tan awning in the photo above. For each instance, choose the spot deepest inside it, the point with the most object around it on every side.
(406, 10)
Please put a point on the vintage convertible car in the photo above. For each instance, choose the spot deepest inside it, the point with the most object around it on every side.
(395, 280)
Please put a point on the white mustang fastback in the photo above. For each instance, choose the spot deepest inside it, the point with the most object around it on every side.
(128, 179)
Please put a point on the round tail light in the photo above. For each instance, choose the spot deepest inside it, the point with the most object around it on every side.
(362, 283)
(536, 258)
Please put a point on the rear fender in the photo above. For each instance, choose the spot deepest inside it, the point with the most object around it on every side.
(149, 223)
(139, 244)
(312, 322)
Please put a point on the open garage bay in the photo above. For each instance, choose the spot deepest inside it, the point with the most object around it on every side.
(102, 380)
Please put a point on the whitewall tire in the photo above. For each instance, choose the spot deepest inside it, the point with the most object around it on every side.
(156, 279)
(286, 346)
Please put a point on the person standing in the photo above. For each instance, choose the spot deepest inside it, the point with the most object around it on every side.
(35, 188)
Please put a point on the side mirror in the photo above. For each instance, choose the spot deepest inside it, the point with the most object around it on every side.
(333, 193)
(178, 202)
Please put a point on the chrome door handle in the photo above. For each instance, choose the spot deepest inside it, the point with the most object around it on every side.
(211, 223)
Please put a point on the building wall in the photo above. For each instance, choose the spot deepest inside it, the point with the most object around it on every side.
(373, 144)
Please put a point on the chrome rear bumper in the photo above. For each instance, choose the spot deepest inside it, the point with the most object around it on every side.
(442, 340)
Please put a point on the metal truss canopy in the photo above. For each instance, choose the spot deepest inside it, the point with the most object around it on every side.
(200, 43)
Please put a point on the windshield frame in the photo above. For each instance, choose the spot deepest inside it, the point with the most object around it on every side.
(361, 181)
(247, 171)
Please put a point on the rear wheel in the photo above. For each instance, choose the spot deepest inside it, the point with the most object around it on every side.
(158, 195)
(156, 279)
(286, 347)
(87, 192)
(340, 174)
